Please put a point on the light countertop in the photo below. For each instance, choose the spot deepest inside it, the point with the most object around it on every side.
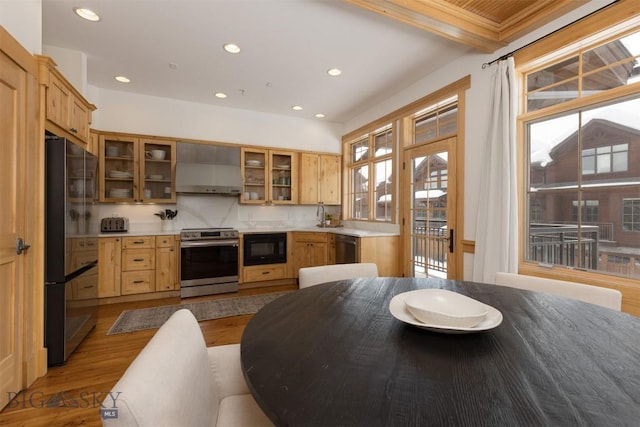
(246, 230)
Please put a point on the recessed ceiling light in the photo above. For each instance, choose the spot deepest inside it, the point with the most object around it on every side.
(221, 95)
(87, 14)
(232, 48)
(296, 107)
(333, 72)
(320, 116)
(122, 79)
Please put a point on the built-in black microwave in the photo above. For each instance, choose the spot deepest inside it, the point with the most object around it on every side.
(265, 248)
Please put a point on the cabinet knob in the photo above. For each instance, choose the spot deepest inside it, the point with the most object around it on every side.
(138, 281)
(138, 259)
(73, 130)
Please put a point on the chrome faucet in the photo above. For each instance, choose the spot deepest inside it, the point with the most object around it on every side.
(321, 208)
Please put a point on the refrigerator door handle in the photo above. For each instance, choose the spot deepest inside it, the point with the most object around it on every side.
(21, 246)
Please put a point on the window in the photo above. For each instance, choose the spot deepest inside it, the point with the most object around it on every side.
(587, 210)
(436, 121)
(582, 138)
(371, 176)
(631, 214)
(605, 159)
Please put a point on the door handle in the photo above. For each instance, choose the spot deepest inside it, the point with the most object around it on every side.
(21, 246)
(451, 240)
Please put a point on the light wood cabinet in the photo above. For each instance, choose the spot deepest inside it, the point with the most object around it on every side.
(138, 282)
(137, 264)
(166, 264)
(383, 251)
(67, 113)
(269, 176)
(82, 252)
(310, 250)
(137, 170)
(331, 248)
(259, 273)
(109, 266)
(319, 179)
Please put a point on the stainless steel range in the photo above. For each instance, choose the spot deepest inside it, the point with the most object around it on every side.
(208, 261)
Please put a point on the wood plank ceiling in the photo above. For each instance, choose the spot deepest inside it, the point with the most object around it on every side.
(485, 25)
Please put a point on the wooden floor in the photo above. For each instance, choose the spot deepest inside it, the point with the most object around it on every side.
(70, 395)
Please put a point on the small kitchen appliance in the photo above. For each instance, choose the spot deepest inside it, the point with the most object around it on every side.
(114, 225)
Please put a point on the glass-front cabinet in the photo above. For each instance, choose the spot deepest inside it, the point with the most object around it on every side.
(269, 176)
(137, 170)
(157, 171)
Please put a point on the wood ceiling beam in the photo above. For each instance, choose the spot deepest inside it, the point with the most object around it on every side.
(441, 19)
(455, 23)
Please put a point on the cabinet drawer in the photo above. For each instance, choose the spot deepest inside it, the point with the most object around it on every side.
(79, 260)
(264, 272)
(79, 245)
(310, 236)
(138, 259)
(85, 287)
(138, 242)
(138, 282)
(165, 241)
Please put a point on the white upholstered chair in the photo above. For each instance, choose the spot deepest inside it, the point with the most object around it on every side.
(310, 276)
(177, 381)
(605, 297)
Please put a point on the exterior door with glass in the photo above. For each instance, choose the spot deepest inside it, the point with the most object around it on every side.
(430, 210)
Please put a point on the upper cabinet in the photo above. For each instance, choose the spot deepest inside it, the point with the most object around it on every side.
(137, 170)
(269, 176)
(319, 179)
(67, 113)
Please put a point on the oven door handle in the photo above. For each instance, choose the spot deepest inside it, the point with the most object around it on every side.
(203, 243)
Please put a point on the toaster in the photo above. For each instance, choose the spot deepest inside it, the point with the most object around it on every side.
(114, 225)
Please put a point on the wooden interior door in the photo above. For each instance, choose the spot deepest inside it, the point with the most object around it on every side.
(12, 146)
(430, 210)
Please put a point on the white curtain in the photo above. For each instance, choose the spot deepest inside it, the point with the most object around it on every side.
(497, 222)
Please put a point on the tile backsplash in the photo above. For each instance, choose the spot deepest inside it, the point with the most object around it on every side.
(196, 211)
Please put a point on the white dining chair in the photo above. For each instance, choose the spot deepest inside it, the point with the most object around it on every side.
(309, 276)
(176, 380)
(605, 297)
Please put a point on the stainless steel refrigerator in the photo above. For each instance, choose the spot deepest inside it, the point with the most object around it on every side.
(71, 248)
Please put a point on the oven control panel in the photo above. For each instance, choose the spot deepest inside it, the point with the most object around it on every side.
(208, 234)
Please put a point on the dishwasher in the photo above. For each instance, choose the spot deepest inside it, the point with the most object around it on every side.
(347, 249)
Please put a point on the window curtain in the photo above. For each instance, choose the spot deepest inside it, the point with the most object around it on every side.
(497, 221)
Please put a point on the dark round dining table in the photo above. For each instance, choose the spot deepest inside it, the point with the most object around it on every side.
(334, 355)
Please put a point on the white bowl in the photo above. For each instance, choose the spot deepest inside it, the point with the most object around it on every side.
(155, 176)
(253, 163)
(112, 151)
(158, 154)
(445, 308)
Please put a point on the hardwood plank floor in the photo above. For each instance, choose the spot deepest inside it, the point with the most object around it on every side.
(70, 395)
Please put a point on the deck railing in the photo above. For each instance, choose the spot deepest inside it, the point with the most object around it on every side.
(564, 244)
(430, 245)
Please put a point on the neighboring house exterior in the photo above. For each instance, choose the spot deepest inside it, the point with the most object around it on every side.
(609, 209)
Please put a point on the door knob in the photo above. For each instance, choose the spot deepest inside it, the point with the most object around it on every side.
(21, 246)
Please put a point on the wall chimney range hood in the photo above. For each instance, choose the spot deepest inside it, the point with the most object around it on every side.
(208, 169)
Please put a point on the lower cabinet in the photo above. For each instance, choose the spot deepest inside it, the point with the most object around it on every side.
(383, 251)
(166, 264)
(137, 265)
(109, 266)
(311, 249)
(259, 273)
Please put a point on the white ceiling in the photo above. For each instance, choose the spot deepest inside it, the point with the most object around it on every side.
(287, 46)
